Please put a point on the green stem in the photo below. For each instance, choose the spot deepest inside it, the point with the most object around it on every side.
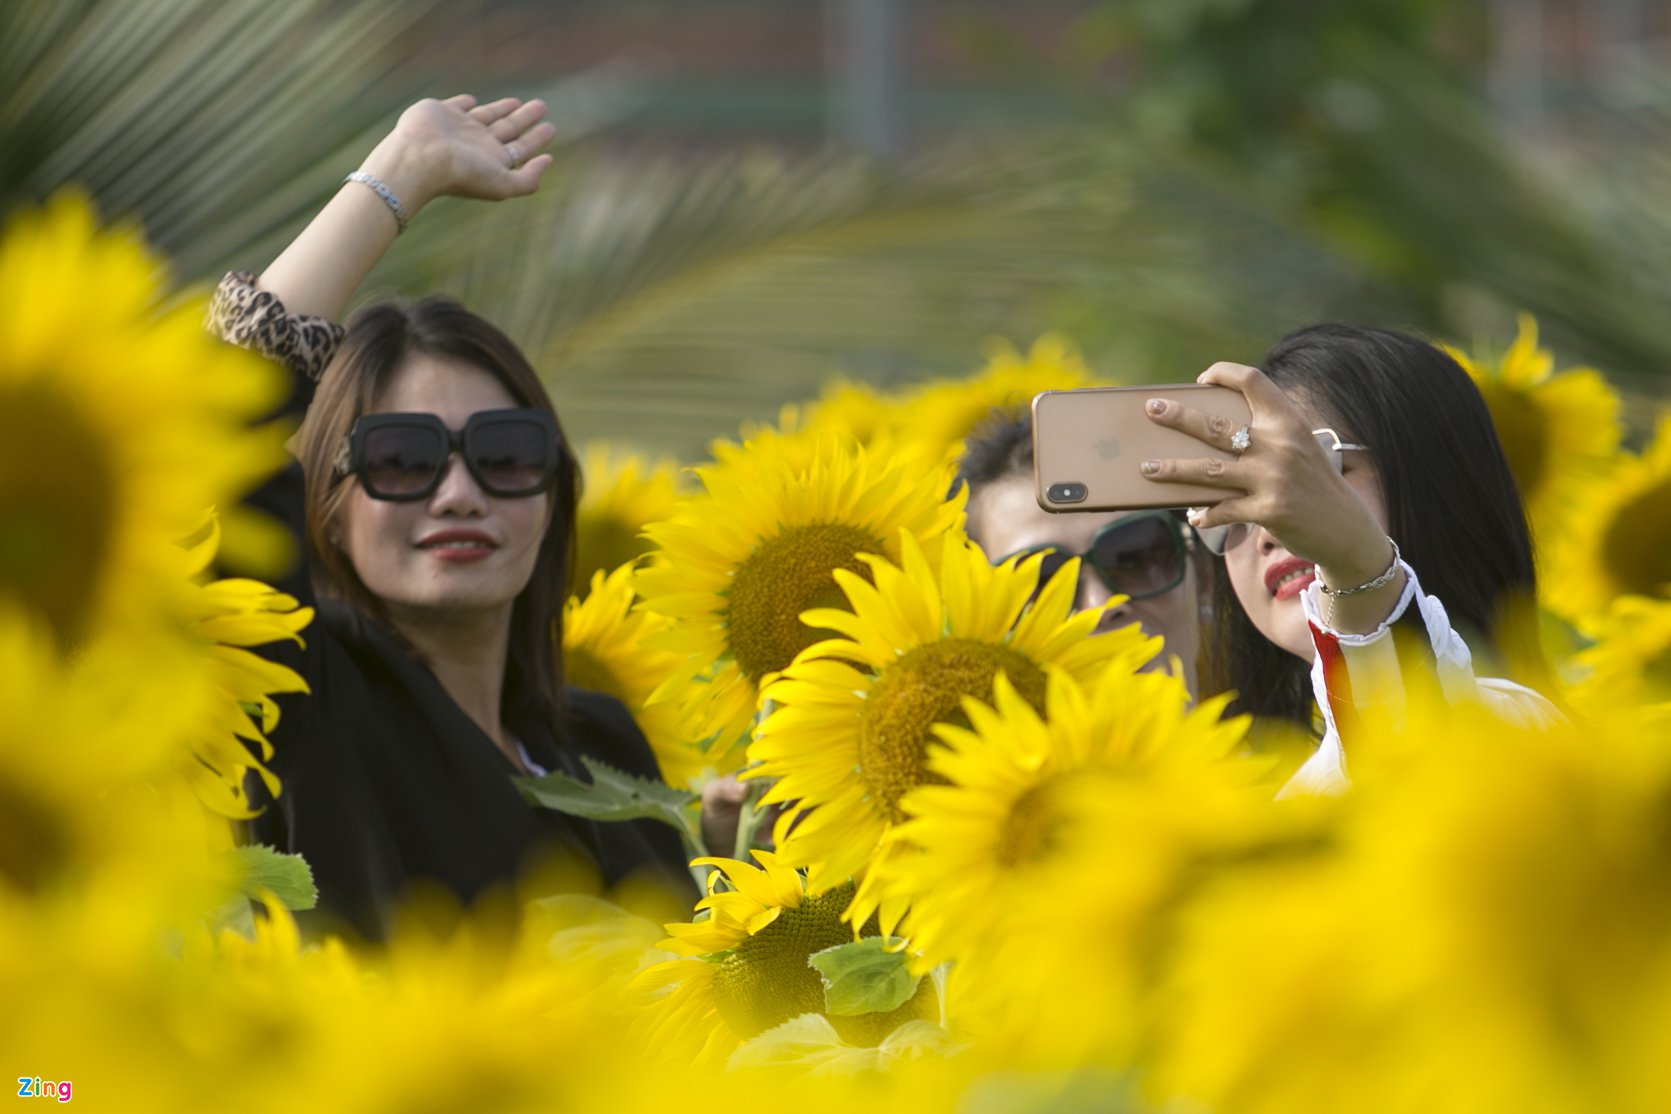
(690, 834)
(748, 820)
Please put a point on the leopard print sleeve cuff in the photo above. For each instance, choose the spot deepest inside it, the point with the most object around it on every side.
(256, 319)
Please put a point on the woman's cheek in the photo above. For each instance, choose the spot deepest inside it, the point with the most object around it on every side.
(1242, 580)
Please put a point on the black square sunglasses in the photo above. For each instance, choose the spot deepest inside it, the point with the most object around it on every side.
(403, 457)
(1139, 556)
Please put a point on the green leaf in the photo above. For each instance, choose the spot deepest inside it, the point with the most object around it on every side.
(612, 795)
(864, 976)
(286, 877)
(616, 795)
(810, 1046)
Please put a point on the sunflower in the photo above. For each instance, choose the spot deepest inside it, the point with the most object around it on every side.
(1620, 544)
(938, 415)
(853, 717)
(844, 412)
(1630, 662)
(735, 567)
(927, 421)
(109, 757)
(745, 969)
(860, 410)
(1018, 799)
(623, 494)
(790, 439)
(1097, 811)
(120, 423)
(225, 617)
(1559, 430)
(1445, 946)
(605, 648)
(78, 736)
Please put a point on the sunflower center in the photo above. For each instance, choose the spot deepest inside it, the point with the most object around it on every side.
(1636, 548)
(1656, 676)
(35, 843)
(924, 687)
(57, 504)
(783, 577)
(1034, 827)
(583, 669)
(765, 980)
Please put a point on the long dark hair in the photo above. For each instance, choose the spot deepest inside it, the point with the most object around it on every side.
(1452, 504)
(380, 339)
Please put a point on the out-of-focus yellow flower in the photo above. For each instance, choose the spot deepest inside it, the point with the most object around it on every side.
(120, 424)
(736, 567)
(843, 412)
(939, 415)
(1559, 430)
(1019, 797)
(1483, 928)
(926, 421)
(104, 755)
(857, 410)
(1047, 854)
(745, 969)
(1629, 664)
(607, 648)
(854, 716)
(90, 751)
(623, 494)
(1620, 543)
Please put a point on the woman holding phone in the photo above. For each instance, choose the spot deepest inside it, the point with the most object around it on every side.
(433, 500)
(1369, 456)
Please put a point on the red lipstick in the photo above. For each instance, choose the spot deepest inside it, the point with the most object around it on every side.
(458, 545)
(1284, 589)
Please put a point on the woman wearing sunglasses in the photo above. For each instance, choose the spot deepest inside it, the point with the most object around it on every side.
(1149, 557)
(1369, 456)
(433, 494)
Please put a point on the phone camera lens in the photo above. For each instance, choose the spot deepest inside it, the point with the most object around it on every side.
(1066, 493)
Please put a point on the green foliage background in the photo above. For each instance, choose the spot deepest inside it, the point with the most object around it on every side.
(1251, 166)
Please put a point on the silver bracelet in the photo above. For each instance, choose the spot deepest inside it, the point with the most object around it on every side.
(381, 189)
(1368, 585)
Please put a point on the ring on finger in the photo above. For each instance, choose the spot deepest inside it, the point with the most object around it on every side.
(516, 156)
(1240, 440)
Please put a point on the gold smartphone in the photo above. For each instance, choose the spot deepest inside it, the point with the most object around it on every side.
(1088, 443)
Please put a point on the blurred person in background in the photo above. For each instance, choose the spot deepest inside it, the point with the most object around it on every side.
(1149, 557)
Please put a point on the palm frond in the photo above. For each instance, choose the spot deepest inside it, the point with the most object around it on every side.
(223, 124)
(668, 300)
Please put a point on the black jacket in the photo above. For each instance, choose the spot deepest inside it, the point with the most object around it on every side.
(387, 783)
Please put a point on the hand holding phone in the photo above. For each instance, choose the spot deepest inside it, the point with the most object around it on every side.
(1088, 443)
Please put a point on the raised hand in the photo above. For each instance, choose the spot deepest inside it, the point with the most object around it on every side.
(1283, 480)
(458, 148)
(453, 147)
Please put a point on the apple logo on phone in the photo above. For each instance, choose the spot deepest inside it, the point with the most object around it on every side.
(1108, 448)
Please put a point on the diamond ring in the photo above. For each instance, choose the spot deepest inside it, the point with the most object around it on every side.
(1240, 440)
(513, 153)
